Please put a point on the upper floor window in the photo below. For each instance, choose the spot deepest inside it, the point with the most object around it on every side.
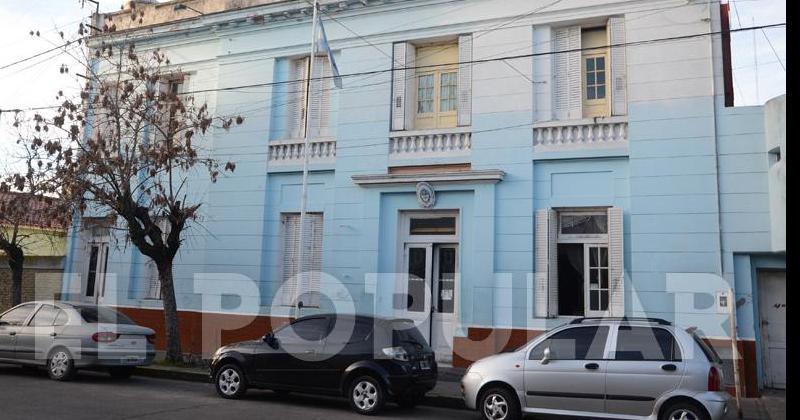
(437, 86)
(298, 102)
(589, 71)
(595, 99)
(171, 88)
(432, 84)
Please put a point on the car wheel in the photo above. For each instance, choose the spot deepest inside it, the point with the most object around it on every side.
(230, 382)
(60, 365)
(366, 395)
(120, 372)
(684, 410)
(499, 404)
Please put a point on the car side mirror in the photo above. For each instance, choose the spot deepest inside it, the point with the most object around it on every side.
(271, 341)
(546, 356)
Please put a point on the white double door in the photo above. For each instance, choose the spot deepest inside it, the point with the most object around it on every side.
(430, 284)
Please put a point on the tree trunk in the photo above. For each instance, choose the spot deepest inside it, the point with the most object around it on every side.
(16, 261)
(173, 337)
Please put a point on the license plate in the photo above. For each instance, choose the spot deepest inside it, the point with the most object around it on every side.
(132, 359)
(425, 365)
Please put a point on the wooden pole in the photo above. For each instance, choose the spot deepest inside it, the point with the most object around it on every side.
(735, 352)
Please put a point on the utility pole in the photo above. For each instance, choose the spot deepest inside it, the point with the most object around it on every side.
(755, 60)
(735, 352)
(302, 275)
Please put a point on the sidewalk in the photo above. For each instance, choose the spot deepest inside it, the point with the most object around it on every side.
(447, 393)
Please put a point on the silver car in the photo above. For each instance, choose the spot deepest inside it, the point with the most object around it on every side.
(63, 337)
(622, 368)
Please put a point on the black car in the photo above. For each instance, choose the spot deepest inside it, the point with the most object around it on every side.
(367, 359)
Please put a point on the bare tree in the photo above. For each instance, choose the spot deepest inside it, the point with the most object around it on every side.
(29, 206)
(130, 146)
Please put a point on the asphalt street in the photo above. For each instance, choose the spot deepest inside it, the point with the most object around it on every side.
(26, 394)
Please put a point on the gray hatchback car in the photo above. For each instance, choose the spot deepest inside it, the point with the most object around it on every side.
(622, 368)
(64, 336)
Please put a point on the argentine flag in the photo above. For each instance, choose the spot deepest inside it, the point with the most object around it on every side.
(321, 47)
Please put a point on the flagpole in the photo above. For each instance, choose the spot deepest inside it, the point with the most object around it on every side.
(302, 275)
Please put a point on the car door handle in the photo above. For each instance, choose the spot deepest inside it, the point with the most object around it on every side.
(52, 334)
(12, 333)
(669, 367)
(592, 366)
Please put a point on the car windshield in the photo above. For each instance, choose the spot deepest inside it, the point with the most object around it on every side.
(406, 334)
(102, 315)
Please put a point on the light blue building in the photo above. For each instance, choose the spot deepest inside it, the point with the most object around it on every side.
(490, 168)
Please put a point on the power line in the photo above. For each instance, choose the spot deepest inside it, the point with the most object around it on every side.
(773, 49)
(736, 11)
(476, 61)
(38, 54)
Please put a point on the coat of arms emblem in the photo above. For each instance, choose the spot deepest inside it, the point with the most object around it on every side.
(426, 196)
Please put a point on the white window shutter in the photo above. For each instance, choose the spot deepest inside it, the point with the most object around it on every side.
(546, 276)
(616, 249)
(296, 98)
(619, 78)
(552, 267)
(567, 83)
(542, 73)
(399, 82)
(411, 86)
(312, 289)
(541, 260)
(320, 97)
(295, 282)
(465, 80)
(153, 282)
(290, 258)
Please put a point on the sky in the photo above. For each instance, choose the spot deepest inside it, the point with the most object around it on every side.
(34, 82)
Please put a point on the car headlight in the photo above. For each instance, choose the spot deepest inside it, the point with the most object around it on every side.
(217, 353)
(396, 353)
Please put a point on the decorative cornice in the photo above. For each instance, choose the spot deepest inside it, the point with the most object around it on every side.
(492, 176)
(253, 13)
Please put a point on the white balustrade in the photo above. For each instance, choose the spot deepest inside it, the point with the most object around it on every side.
(430, 143)
(290, 152)
(557, 136)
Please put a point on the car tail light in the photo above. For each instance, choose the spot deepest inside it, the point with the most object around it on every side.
(151, 338)
(105, 337)
(714, 382)
(397, 353)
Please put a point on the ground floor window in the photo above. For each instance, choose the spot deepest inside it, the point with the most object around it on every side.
(579, 268)
(301, 279)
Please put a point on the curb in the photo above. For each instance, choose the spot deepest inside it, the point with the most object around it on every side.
(439, 401)
(179, 375)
